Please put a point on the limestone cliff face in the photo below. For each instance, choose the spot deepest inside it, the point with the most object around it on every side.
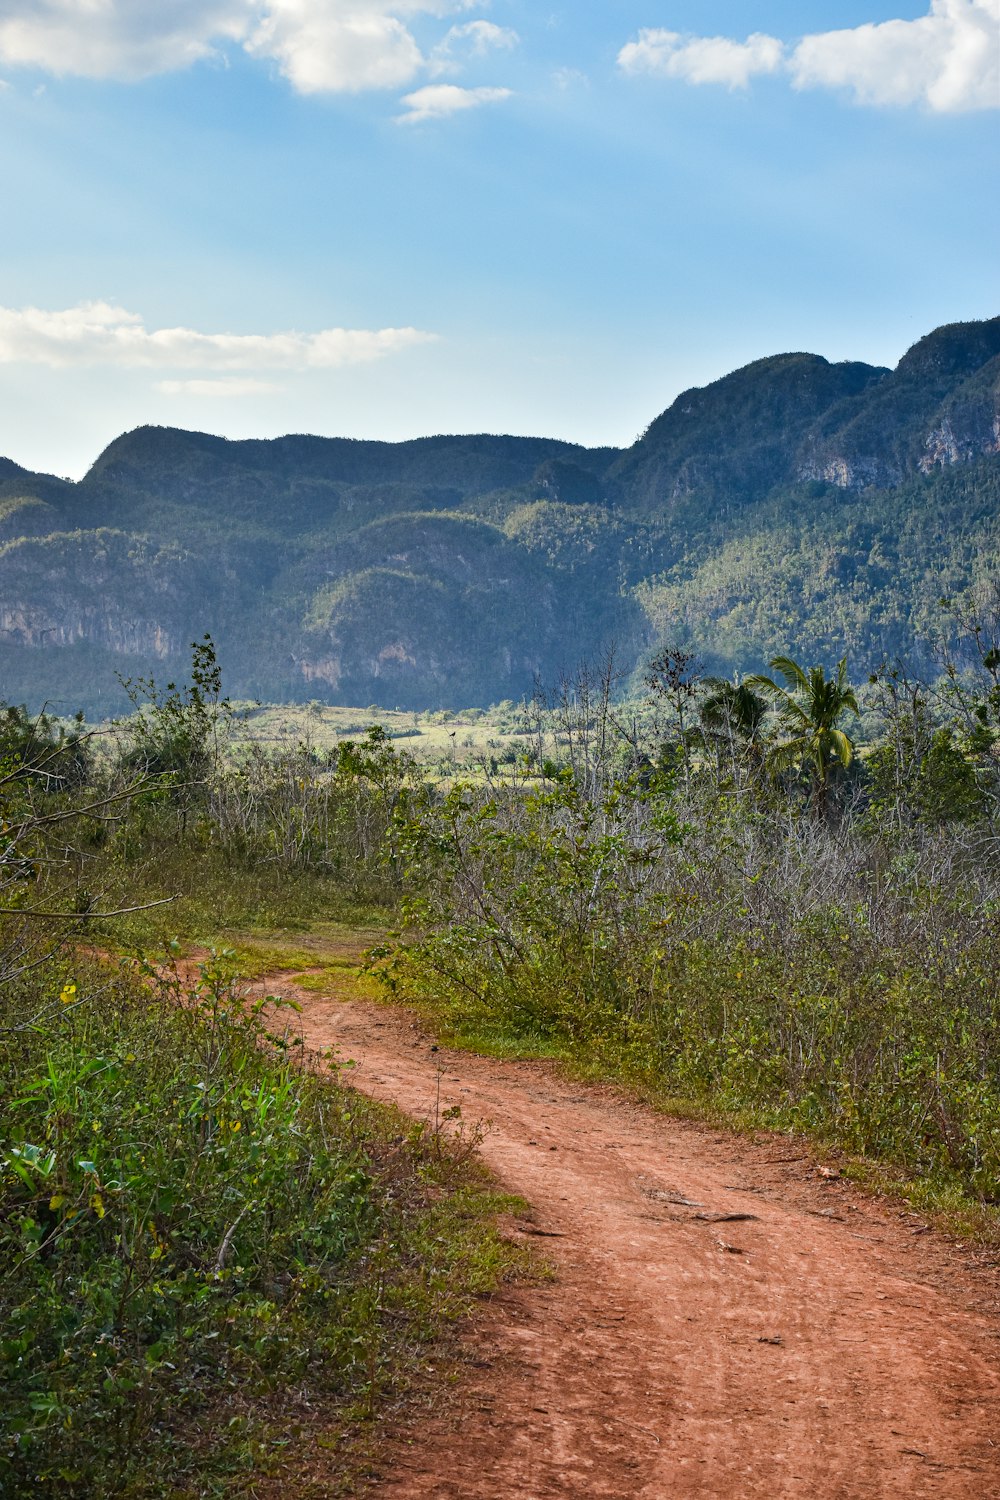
(112, 629)
(969, 424)
(941, 447)
(938, 408)
(104, 589)
(850, 473)
(957, 436)
(453, 570)
(325, 669)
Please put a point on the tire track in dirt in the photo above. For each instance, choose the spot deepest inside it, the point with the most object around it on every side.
(723, 1320)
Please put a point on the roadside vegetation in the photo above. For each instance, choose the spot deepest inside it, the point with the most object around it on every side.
(727, 903)
(772, 901)
(215, 1257)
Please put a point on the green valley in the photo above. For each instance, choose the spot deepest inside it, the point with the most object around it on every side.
(793, 504)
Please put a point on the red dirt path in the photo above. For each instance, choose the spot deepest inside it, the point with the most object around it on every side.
(724, 1321)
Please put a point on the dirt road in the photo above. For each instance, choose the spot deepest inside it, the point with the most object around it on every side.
(724, 1320)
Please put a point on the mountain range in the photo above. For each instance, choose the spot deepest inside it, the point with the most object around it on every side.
(794, 505)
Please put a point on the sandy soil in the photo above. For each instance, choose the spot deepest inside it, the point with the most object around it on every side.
(725, 1320)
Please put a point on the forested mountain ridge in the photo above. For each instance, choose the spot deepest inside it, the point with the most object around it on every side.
(792, 505)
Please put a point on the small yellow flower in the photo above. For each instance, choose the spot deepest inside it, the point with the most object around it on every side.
(236, 1125)
(68, 993)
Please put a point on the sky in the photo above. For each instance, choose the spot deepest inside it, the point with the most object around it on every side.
(392, 218)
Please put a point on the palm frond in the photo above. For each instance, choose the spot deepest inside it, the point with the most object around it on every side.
(791, 672)
(789, 754)
(760, 680)
(785, 702)
(841, 746)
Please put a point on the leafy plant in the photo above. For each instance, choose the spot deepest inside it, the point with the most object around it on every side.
(174, 734)
(192, 1225)
(810, 710)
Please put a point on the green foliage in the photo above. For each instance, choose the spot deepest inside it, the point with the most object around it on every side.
(699, 937)
(822, 574)
(890, 1052)
(174, 732)
(568, 483)
(455, 569)
(191, 1225)
(37, 748)
(201, 1237)
(533, 897)
(922, 776)
(810, 710)
(174, 1228)
(892, 1055)
(732, 729)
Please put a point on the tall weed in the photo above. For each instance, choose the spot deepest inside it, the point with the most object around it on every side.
(721, 950)
(192, 1225)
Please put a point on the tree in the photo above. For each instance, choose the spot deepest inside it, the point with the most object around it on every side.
(671, 680)
(732, 719)
(810, 709)
(174, 734)
(37, 747)
(921, 771)
(970, 686)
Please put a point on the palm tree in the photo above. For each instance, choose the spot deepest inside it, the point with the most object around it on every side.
(809, 709)
(732, 718)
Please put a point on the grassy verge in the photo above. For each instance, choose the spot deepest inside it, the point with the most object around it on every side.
(877, 1070)
(217, 1264)
(207, 893)
(716, 1048)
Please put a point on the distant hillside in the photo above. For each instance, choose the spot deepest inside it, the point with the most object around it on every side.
(740, 437)
(792, 505)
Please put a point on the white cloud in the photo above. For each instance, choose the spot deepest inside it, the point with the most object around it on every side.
(708, 59)
(440, 100)
(229, 386)
(336, 48)
(100, 333)
(474, 39)
(948, 60)
(117, 38)
(479, 38)
(318, 45)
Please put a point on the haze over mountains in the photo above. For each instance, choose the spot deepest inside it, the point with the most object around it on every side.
(793, 505)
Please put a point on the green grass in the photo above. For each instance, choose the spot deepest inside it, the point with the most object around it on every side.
(327, 961)
(210, 898)
(865, 1056)
(201, 1241)
(441, 737)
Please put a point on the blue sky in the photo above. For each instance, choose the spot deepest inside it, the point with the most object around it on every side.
(385, 219)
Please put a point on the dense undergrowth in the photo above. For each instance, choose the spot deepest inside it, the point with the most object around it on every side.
(212, 1251)
(207, 1246)
(754, 923)
(803, 980)
(200, 1237)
